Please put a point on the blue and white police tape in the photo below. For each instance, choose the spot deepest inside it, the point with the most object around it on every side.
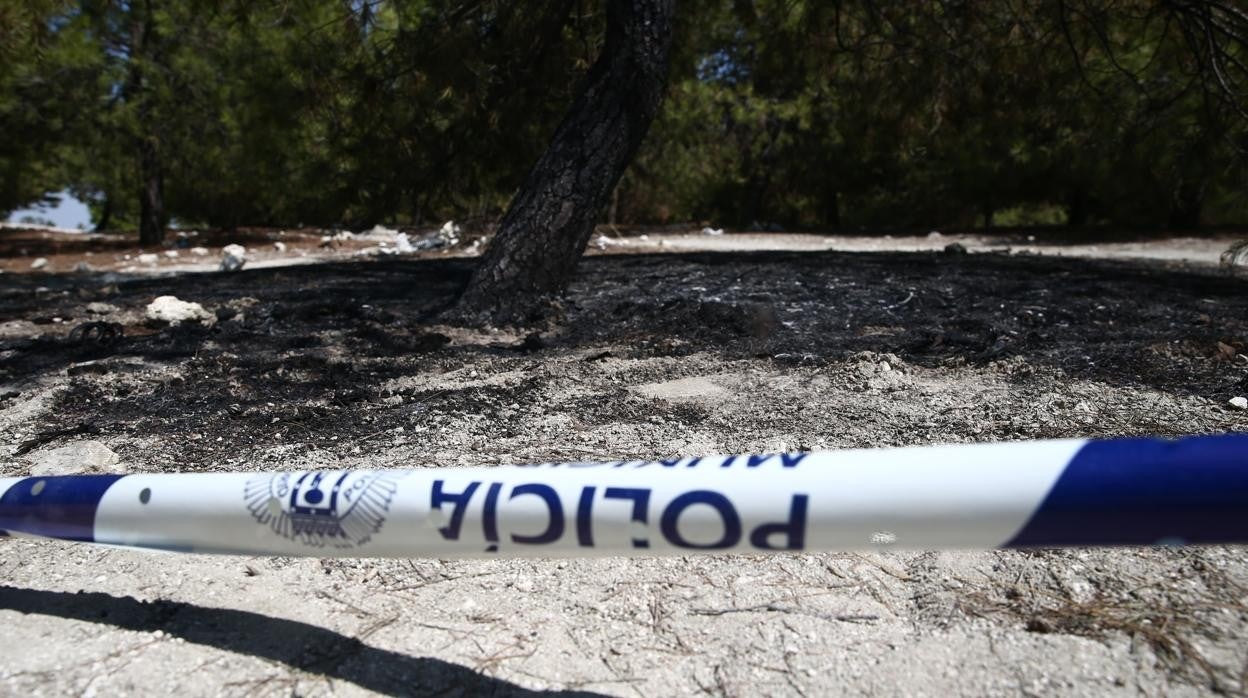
(1049, 493)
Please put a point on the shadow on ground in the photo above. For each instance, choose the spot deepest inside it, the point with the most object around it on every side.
(300, 646)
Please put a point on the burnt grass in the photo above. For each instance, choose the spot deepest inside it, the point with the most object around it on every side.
(308, 360)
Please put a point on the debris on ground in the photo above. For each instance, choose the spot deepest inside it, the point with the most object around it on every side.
(1235, 256)
(233, 257)
(1239, 403)
(149, 259)
(39, 263)
(98, 333)
(174, 311)
(712, 231)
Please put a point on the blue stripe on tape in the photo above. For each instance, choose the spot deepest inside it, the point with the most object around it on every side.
(1146, 492)
(55, 507)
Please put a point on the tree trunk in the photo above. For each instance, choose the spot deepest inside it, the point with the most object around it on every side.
(106, 215)
(548, 224)
(832, 209)
(1077, 208)
(1186, 205)
(151, 195)
(151, 177)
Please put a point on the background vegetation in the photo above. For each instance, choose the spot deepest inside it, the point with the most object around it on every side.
(877, 115)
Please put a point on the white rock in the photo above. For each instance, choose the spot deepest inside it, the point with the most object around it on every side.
(712, 231)
(149, 258)
(233, 257)
(173, 310)
(101, 308)
(77, 457)
(83, 268)
(1239, 403)
(200, 251)
(279, 246)
(39, 263)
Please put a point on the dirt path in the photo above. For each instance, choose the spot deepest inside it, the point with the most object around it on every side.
(338, 365)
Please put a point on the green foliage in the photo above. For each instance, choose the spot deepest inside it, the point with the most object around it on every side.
(851, 113)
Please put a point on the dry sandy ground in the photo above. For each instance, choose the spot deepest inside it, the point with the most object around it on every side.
(63, 250)
(654, 356)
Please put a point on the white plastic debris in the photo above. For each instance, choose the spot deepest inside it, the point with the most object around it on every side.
(233, 257)
(712, 231)
(1239, 403)
(449, 232)
(149, 259)
(602, 242)
(174, 310)
(39, 263)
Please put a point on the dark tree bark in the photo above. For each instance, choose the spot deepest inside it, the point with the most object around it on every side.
(151, 195)
(1077, 208)
(143, 41)
(106, 215)
(832, 209)
(1186, 205)
(548, 224)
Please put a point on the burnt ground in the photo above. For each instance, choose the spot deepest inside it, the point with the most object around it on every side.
(323, 343)
(649, 355)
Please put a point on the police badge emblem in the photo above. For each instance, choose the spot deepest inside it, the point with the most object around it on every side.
(338, 508)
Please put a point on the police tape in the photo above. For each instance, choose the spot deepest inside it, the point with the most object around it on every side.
(1192, 490)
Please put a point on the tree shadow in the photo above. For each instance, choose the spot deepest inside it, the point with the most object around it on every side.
(301, 646)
